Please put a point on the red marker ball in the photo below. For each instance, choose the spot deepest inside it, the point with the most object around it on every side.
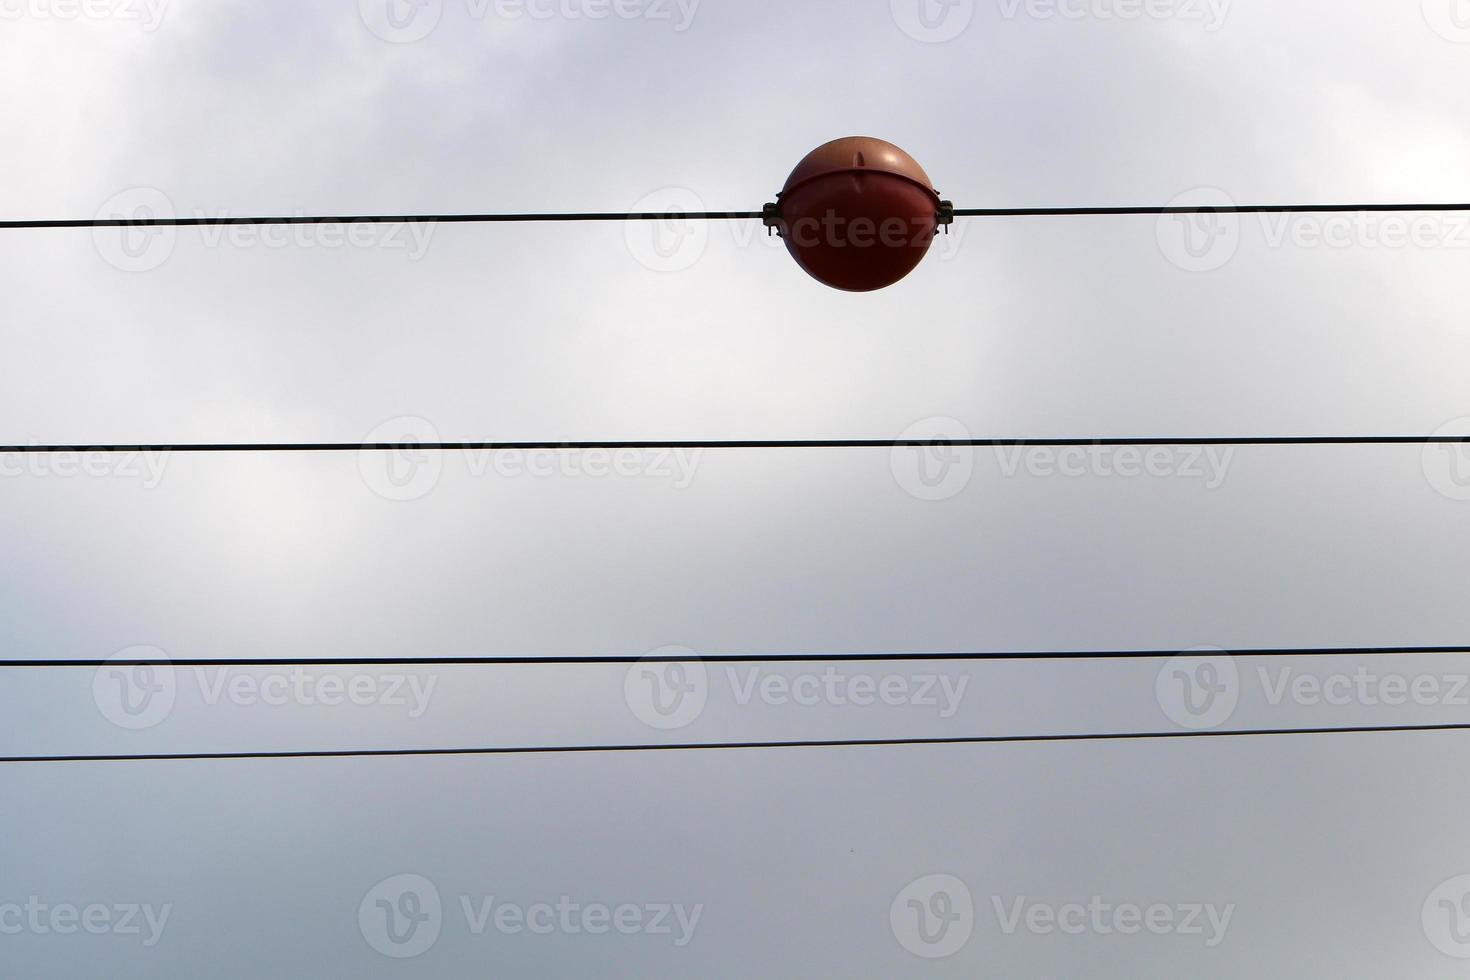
(858, 214)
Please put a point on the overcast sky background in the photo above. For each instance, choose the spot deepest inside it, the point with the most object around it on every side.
(1334, 853)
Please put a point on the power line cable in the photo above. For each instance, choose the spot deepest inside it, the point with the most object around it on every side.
(1204, 209)
(798, 658)
(728, 746)
(717, 444)
(199, 221)
(493, 218)
(377, 219)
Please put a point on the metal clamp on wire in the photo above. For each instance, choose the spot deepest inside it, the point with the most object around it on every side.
(771, 218)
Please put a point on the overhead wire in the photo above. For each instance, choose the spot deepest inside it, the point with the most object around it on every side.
(731, 746)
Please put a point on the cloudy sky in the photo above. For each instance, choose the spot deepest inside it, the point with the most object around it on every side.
(1340, 856)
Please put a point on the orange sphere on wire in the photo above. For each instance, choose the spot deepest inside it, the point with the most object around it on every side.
(858, 214)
